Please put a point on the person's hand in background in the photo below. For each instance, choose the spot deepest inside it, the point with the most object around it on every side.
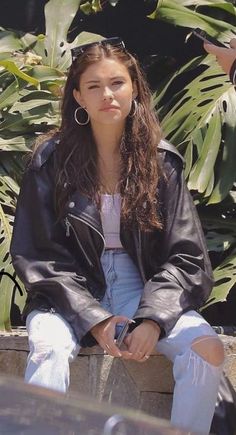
(226, 57)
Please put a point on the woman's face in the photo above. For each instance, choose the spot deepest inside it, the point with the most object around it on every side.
(106, 91)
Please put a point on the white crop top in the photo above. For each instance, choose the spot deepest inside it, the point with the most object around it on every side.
(110, 217)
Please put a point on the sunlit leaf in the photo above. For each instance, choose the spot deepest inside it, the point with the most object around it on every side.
(44, 73)
(225, 279)
(9, 41)
(176, 13)
(96, 6)
(201, 172)
(219, 4)
(6, 283)
(85, 38)
(194, 121)
(9, 95)
(17, 143)
(86, 8)
(56, 53)
(12, 68)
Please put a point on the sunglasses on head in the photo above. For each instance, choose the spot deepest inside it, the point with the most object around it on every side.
(115, 42)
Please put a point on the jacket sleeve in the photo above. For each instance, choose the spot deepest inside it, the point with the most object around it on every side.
(184, 280)
(40, 256)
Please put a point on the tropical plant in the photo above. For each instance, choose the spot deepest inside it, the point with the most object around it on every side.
(94, 6)
(32, 74)
(200, 120)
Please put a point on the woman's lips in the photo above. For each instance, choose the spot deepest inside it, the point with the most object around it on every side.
(108, 108)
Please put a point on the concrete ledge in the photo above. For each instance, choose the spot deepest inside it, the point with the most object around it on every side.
(147, 386)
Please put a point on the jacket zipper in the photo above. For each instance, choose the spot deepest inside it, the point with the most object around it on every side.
(68, 226)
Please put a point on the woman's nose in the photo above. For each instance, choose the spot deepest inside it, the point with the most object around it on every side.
(107, 93)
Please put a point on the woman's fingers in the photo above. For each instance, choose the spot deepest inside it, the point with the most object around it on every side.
(137, 350)
(107, 337)
(142, 340)
(104, 332)
(111, 349)
(144, 359)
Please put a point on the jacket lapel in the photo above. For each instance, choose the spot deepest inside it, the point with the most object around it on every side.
(85, 209)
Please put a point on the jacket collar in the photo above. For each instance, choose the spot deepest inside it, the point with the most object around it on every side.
(85, 209)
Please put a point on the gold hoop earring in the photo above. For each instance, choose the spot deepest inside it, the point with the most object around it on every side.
(77, 120)
(134, 108)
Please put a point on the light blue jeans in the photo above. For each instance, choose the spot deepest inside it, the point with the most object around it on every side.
(53, 346)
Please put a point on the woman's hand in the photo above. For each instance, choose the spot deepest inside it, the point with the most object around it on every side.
(224, 56)
(142, 340)
(104, 333)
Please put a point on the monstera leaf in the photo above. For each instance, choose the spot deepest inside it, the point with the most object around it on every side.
(54, 47)
(225, 279)
(201, 121)
(9, 189)
(220, 231)
(180, 13)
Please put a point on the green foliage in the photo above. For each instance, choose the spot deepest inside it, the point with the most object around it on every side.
(200, 120)
(93, 6)
(178, 13)
(221, 239)
(193, 119)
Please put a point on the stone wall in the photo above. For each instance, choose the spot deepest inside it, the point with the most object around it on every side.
(147, 386)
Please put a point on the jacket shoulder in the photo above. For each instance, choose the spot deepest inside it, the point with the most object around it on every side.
(43, 152)
(170, 151)
(170, 156)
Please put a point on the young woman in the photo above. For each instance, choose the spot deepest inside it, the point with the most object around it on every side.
(106, 231)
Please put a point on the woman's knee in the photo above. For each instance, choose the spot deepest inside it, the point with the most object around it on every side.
(210, 348)
(50, 336)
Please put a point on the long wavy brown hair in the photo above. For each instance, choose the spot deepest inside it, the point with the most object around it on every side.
(77, 154)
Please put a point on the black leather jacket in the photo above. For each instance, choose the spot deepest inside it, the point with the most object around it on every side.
(59, 261)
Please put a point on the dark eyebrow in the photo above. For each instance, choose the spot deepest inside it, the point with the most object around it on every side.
(98, 81)
(92, 81)
(117, 77)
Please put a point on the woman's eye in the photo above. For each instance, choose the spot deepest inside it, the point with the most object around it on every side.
(118, 82)
(93, 87)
